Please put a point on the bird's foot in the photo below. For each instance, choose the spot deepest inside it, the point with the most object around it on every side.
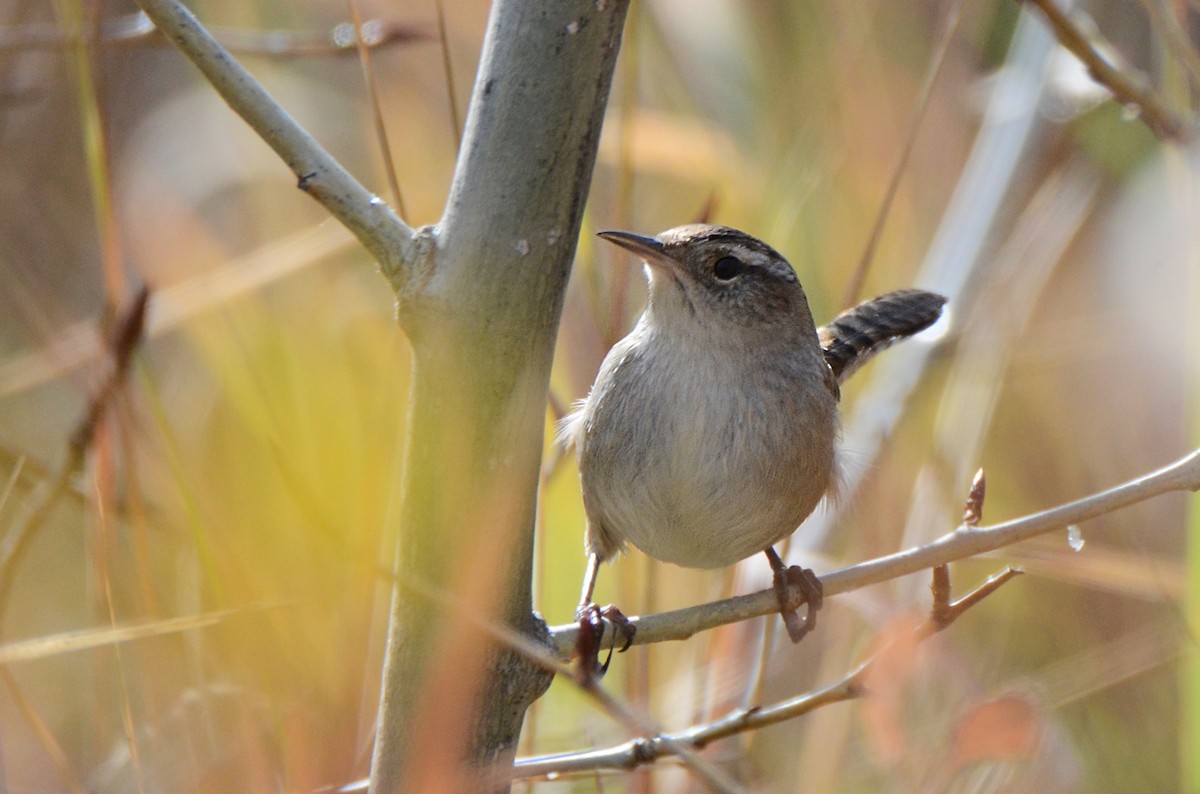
(592, 620)
(810, 588)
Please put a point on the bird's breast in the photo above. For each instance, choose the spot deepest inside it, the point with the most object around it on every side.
(701, 460)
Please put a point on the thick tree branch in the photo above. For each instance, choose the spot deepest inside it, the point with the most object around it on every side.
(1183, 475)
(481, 298)
(379, 229)
(483, 328)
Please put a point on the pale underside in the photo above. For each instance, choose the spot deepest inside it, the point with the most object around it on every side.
(691, 471)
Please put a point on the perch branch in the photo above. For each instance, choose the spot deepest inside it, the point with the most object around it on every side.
(642, 751)
(1183, 475)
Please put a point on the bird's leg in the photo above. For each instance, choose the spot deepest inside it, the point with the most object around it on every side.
(591, 619)
(810, 587)
(589, 585)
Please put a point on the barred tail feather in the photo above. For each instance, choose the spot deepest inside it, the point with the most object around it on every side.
(857, 334)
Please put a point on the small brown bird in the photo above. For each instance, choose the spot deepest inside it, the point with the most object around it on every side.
(711, 431)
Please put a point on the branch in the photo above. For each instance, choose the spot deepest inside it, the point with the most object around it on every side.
(483, 334)
(1183, 475)
(135, 30)
(642, 751)
(1151, 109)
(381, 231)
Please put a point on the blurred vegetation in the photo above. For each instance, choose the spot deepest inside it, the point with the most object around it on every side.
(249, 462)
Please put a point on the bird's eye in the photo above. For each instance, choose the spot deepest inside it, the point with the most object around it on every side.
(727, 267)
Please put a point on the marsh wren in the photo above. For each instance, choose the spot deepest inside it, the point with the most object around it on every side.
(711, 431)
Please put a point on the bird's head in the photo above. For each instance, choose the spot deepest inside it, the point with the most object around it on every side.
(716, 276)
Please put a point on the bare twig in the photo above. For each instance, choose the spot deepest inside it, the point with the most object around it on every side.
(641, 751)
(1151, 109)
(1183, 475)
(714, 777)
(380, 230)
(945, 611)
(647, 750)
(136, 30)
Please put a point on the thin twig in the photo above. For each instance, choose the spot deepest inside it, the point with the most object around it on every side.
(1183, 475)
(945, 611)
(377, 227)
(1151, 109)
(641, 751)
(136, 30)
(711, 774)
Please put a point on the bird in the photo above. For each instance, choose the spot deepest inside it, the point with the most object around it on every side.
(712, 429)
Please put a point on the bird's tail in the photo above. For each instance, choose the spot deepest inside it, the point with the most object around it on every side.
(857, 334)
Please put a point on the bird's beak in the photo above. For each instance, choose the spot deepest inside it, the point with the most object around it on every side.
(648, 248)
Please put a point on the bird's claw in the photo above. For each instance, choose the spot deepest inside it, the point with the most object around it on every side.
(810, 587)
(592, 619)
